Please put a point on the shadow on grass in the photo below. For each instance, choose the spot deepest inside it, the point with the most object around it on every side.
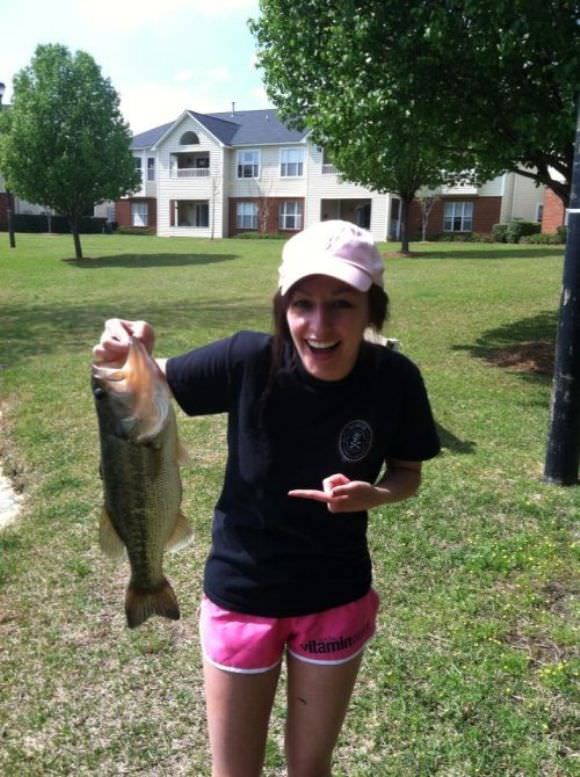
(525, 346)
(499, 252)
(40, 330)
(452, 443)
(148, 260)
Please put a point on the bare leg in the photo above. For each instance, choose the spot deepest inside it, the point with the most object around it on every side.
(238, 711)
(318, 698)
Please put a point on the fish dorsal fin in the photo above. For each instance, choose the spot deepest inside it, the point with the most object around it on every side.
(110, 542)
(182, 534)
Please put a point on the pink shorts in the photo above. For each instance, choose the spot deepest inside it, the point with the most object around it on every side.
(250, 643)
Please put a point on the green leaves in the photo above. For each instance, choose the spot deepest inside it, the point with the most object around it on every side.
(485, 85)
(68, 146)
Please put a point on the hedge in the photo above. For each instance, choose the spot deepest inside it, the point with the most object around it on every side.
(23, 222)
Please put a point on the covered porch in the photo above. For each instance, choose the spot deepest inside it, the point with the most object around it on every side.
(357, 211)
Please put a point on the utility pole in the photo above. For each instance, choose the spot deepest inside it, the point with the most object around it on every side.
(563, 454)
(9, 197)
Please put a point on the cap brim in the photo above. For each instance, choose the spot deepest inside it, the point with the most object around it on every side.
(342, 271)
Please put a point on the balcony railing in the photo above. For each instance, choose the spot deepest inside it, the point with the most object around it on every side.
(191, 172)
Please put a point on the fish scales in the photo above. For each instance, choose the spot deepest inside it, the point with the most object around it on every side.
(141, 482)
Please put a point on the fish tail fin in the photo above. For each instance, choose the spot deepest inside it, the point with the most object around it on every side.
(142, 604)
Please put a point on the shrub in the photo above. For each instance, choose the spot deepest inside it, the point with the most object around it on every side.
(26, 222)
(262, 236)
(518, 229)
(562, 232)
(135, 230)
(545, 238)
(463, 237)
(498, 232)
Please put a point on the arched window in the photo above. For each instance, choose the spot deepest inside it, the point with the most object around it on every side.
(189, 139)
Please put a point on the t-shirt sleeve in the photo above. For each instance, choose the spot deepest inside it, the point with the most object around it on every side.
(415, 437)
(200, 379)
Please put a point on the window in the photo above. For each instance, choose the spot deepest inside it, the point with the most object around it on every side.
(192, 213)
(246, 215)
(189, 139)
(539, 212)
(151, 168)
(458, 217)
(138, 165)
(291, 162)
(290, 215)
(139, 214)
(327, 166)
(249, 164)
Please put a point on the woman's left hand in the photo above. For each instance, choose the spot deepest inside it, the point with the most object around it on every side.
(343, 495)
(401, 480)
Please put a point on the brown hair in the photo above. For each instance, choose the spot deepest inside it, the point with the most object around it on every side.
(378, 314)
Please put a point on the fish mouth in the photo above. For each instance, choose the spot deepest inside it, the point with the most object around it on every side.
(137, 391)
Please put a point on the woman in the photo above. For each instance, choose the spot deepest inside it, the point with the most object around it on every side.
(315, 414)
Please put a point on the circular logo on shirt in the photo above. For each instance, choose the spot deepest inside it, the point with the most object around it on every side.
(355, 440)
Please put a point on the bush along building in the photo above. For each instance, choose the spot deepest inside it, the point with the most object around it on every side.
(223, 174)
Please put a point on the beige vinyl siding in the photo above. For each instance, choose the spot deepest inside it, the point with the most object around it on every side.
(332, 187)
(522, 198)
(269, 183)
(209, 188)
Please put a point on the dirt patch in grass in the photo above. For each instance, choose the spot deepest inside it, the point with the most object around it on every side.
(534, 356)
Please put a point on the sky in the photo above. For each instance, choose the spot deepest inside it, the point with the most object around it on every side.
(162, 57)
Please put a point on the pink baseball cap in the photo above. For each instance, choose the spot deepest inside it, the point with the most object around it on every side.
(335, 248)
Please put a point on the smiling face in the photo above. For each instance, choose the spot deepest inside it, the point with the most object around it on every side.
(327, 319)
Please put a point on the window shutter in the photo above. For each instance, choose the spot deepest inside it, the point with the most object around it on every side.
(171, 213)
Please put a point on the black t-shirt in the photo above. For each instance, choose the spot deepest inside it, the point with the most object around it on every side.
(275, 555)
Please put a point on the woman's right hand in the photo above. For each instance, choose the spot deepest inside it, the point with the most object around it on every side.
(114, 343)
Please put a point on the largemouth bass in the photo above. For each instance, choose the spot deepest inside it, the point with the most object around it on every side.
(140, 456)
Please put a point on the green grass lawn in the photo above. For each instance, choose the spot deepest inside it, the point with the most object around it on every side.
(474, 670)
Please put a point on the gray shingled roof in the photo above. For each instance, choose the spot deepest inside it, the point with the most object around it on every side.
(232, 129)
(149, 138)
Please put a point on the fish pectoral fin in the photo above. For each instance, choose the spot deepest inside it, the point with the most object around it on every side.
(110, 542)
(182, 454)
(142, 604)
(182, 534)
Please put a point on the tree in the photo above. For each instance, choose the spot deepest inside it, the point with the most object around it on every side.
(485, 85)
(402, 169)
(68, 146)
(426, 199)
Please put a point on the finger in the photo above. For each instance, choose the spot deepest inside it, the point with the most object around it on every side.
(308, 493)
(117, 330)
(329, 483)
(317, 496)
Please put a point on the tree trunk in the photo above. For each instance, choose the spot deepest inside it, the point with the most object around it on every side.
(405, 213)
(562, 457)
(74, 228)
(10, 219)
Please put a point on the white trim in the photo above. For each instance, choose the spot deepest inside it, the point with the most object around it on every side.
(302, 162)
(238, 163)
(235, 669)
(273, 145)
(178, 121)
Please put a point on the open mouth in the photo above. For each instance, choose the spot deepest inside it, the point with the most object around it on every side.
(321, 347)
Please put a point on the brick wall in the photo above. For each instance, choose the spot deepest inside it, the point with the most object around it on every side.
(267, 219)
(553, 214)
(486, 212)
(123, 211)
